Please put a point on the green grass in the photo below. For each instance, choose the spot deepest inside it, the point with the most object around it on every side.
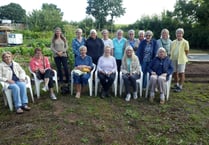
(183, 120)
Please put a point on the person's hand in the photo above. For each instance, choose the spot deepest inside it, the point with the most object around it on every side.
(42, 71)
(10, 81)
(22, 80)
(164, 74)
(59, 53)
(153, 73)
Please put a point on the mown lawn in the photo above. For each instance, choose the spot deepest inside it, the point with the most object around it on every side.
(183, 120)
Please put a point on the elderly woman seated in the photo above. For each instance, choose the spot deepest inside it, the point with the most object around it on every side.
(107, 68)
(160, 69)
(83, 66)
(13, 74)
(130, 72)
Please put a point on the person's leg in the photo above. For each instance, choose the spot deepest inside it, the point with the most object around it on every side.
(59, 68)
(65, 66)
(103, 81)
(161, 84)
(23, 92)
(16, 95)
(175, 74)
(181, 70)
(126, 83)
(133, 79)
(110, 81)
(78, 90)
(118, 62)
(77, 82)
(152, 85)
(145, 70)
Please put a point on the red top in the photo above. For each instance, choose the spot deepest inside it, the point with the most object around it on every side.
(36, 63)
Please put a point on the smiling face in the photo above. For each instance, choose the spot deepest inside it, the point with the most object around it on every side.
(78, 34)
(107, 51)
(83, 51)
(179, 35)
(7, 58)
(164, 35)
(131, 35)
(161, 54)
(38, 54)
(58, 32)
(93, 35)
(129, 52)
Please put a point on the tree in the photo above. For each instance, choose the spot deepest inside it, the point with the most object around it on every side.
(13, 12)
(101, 9)
(45, 19)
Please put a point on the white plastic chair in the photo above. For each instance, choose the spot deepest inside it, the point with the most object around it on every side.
(167, 86)
(90, 81)
(139, 83)
(8, 93)
(114, 85)
(38, 82)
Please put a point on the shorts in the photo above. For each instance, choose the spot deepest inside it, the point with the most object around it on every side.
(180, 68)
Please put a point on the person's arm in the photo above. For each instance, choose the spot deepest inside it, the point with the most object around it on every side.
(21, 71)
(47, 63)
(32, 65)
(75, 51)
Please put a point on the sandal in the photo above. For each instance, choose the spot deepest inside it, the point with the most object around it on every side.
(19, 111)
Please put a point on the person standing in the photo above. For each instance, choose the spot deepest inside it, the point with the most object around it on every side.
(134, 43)
(78, 42)
(95, 46)
(165, 41)
(179, 52)
(106, 40)
(59, 47)
(119, 46)
(146, 52)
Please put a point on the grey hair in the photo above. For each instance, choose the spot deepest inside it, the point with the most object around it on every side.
(161, 49)
(131, 31)
(79, 30)
(82, 47)
(93, 31)
(119, 30)
(141, 32)
(180, 30)
(149, 32)
(166, 31)
(105, 30)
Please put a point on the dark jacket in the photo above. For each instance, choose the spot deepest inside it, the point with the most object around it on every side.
(95, 48)
(160, 66)
(142, 46)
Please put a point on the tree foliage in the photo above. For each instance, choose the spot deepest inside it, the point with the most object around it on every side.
(102, 9)
(45, 19)
(13, 12)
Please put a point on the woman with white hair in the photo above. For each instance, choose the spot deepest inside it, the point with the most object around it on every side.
(179, 51)
(134, 43)
(78, 42)
(95, 46)
(119, 46)
(107, 68)
(130, 72)
(165, 41)
(146, 52)
(141, 35)
(160, 69)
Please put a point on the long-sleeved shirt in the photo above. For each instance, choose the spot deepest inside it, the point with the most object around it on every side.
(107, 64)
(59, 45)
(42, 63)
(77, 44)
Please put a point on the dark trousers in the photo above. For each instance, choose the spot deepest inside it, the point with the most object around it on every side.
(118, 62)
(48, 74)
(130, 81)
(106, 80)
(62, 61)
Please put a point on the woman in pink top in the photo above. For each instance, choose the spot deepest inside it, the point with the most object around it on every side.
(41, 66)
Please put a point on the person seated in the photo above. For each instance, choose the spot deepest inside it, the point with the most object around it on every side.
(41, 66)
(160, 69)
(130, 72)
(81, 72)
(107, 68)
(14, 76)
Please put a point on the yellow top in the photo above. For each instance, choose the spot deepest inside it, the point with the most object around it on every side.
(181, 47)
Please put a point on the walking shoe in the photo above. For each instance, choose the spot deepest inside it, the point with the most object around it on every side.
(53, 97)
(45, 88)
(26, 108)
(135, 95)
(162, 101)
(128, 97)
(103, 95)
(78, 95)
(174, 87)
(19, 111)
(178, 89)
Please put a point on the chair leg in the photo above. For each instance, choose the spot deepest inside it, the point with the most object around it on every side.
(31, 93)
(8, 94)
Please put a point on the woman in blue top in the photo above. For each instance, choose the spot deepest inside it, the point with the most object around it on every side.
(78, 42)
(118, 47)
(146, 52)
(160, 69)
(83, 63)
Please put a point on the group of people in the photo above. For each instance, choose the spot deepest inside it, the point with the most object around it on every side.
(158, 58)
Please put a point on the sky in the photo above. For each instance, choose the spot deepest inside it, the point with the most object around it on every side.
(75, 10)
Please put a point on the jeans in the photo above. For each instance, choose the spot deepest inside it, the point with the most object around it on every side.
(106, 80)
(130, 80)
(145, 69)
(19, 93)
(59, 62)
